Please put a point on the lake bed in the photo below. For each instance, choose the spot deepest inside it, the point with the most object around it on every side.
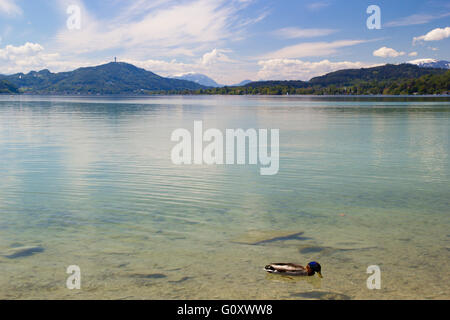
(89, 181)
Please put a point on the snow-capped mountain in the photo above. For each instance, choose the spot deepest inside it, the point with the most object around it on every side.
(431, 63)
(243, 83)
(198, 78)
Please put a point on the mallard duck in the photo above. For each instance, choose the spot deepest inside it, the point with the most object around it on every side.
(292, 269)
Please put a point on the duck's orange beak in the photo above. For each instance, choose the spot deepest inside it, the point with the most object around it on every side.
(320, 275)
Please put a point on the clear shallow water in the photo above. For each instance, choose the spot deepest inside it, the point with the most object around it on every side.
(90, 181)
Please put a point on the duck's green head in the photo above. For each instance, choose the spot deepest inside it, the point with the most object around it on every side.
(316, 267)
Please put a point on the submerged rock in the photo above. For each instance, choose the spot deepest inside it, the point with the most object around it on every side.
(147, 280)
(322, 295)
(257, 238)
(305, 249)
(149, 276)
(22, 252)
(181, 280)
(311, 249)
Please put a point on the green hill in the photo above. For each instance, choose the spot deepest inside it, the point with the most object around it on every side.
(388, 79)
(350, 77)
(111, 78)
(7, 87)
(387, 72)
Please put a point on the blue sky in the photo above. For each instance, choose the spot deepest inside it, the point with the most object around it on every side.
(228, 40)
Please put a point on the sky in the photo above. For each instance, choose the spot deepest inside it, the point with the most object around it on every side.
(227, 40)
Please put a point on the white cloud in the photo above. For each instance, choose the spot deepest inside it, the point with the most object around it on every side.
(317, 5)
(293, 33)
(385, 52)
(434, 35)
(216, 55)
(28, 49)
(294, 69)
(33, 57)
(311, 49)
(415, 19)
(9, 7)
(413, 54)
(168, 28)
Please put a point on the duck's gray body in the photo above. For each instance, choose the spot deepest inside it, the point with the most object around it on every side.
(290, 269)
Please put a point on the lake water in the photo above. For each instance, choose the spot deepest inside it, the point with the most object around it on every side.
(90, 182)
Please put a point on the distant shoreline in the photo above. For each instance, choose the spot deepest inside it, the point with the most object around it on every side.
(219, 95)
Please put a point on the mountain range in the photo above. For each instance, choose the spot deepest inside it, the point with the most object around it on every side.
(123, 78)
